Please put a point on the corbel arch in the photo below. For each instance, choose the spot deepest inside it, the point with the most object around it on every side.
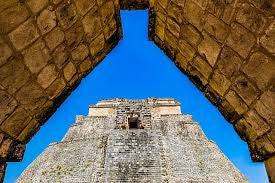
(225, 47)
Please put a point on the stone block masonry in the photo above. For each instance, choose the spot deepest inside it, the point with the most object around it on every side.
(221, 46)
(164, 146)
(46, 48)
(225, 47)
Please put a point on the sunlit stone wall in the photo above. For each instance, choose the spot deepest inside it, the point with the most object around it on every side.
(46, 48)
(226, 47)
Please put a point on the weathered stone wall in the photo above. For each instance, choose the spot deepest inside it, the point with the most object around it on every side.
(46, 48)
(226, 47)
(133, 156)
(96, 149)
(270, 167)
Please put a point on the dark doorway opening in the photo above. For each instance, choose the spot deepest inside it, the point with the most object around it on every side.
(133, 123)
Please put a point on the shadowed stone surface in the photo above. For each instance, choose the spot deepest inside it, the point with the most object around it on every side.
(45, 52)
(164, 146)
(223, 47)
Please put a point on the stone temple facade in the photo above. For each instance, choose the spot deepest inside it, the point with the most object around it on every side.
(133, 141)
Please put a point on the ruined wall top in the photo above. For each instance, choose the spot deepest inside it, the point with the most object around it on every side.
(109, 107)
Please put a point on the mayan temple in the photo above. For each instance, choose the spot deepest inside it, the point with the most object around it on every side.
(125, 140)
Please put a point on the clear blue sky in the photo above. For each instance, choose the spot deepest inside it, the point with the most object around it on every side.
(137, 69)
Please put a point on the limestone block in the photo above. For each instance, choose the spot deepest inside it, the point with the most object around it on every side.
(66, 14)
(56, 88)
(54, 38)
(229, 62)
(163, 3)
(228, 14)
(24, 35)
(47, 76)
(107, 12)
(264, 147)
(83, 6)
(252, 126)
(100, 2)
(251, 18)
(216, 27)
(56, 1)
(159, 28)
(7, 4)
(201, 3)
(175, 12)
(29, 131)
(240, 40)
(196, 77)
(173, 27)
(92, 25)
(36, 56)
(236, 102)
(69, 71)
(5, 147)
(216, 7)
(5, 51)
(182, 61)
(97, 45)
(20, 75)
(16, 122)
(180, 3)
(46, 21)
(171, 39)
(190, 34)
(270, 168)
(60, 56)
(219, 83)
(261, 69)
(42, 111)
(37, 5)
(265, 5)
(245, 131)
(193, 14)
(161, 13)
(74, 35)
(265, 106)
(271, 135)
(268, 40)
(110, 29)
(7, 105)
(202, 66)
(256, 123)
(31, 96)
(228, 112)
(245, 89)
(210, 49)
(85, 66)
(80, 53)
(187, 50)
(12, 14)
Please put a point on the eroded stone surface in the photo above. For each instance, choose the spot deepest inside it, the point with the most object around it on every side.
(133, 141)
(235, 41)
(270, 167)
(243, 31)
(43, 53)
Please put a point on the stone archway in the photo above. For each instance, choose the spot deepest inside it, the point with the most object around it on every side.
(226, 47)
